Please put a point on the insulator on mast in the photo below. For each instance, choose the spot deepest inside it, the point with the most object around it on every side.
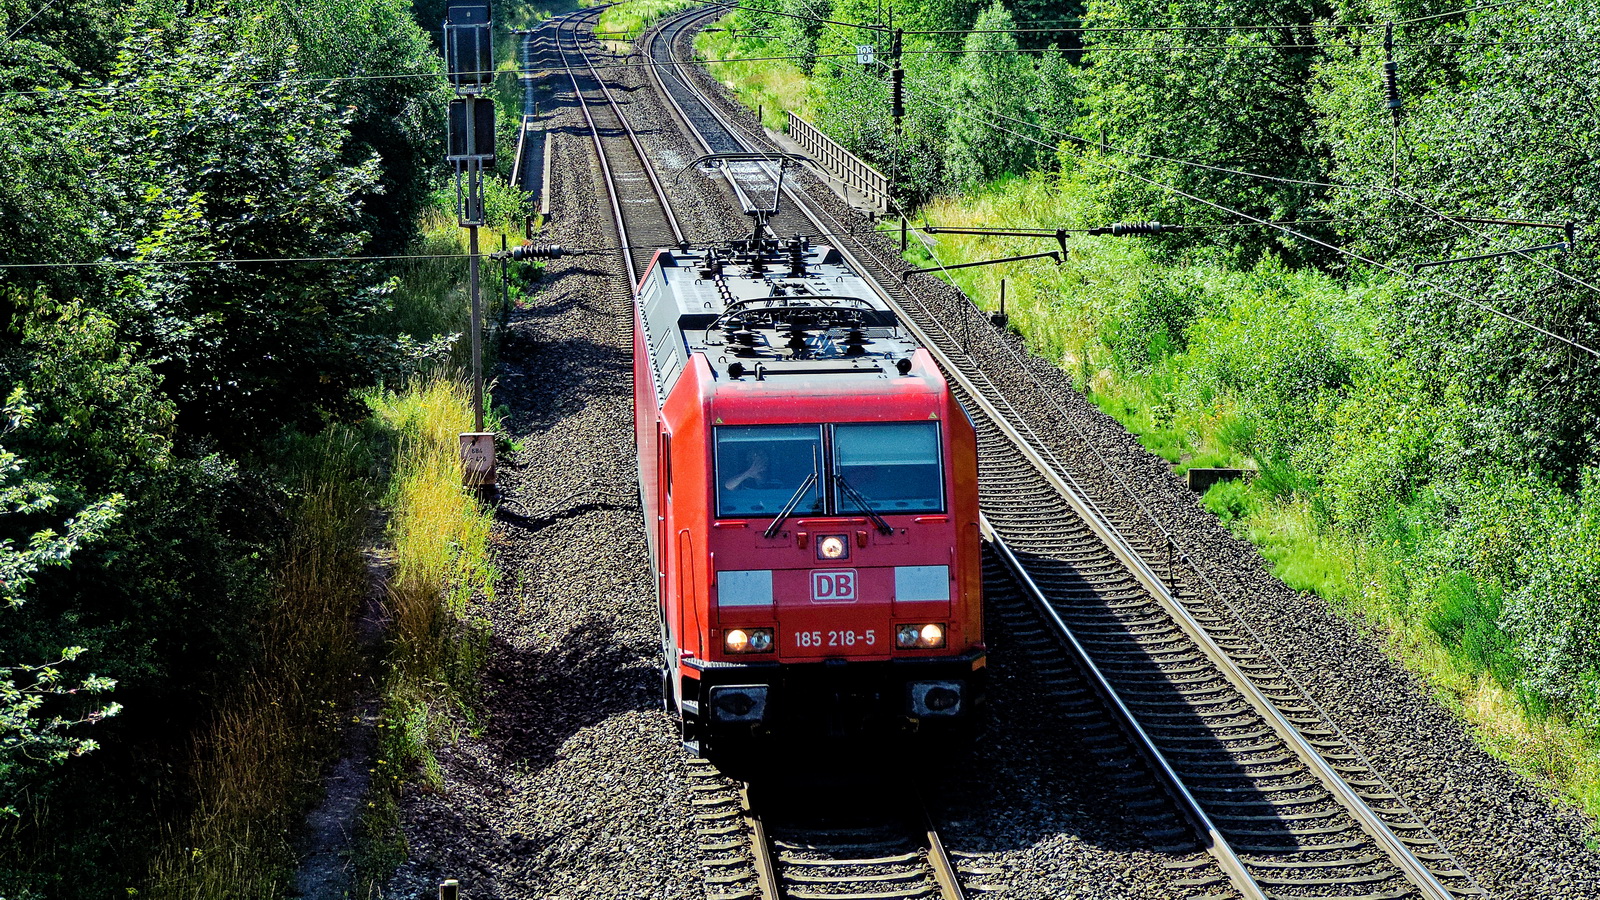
(536, 251)
(1391, 83)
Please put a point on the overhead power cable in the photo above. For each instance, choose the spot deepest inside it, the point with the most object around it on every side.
(968, 113)
(37, 13)
(351, 79)
(1036, 27)
(96, 263)
(1076, 24)
(1101, 145)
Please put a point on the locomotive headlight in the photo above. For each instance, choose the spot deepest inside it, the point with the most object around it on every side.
(919, 637)
(748, 640)
(833, 546)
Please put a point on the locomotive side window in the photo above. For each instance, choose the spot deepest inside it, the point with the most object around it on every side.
(760, 468)
(894, 467)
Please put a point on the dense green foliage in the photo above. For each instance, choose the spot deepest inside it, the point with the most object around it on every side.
(1421, 455)
(148, 489)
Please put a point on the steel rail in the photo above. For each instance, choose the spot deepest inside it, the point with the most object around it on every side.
(608, 176)
(1216, 844)
(650, 40)
(763, 860)
(1114, 541)
(761, 856)
(944, 868)
(1369, 822)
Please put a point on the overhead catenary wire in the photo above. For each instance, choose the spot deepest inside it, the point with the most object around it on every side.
(967, 112)
(577, 251)
(1101, 145)
(111, 89)
(36, 14)
(1040, 26)
(1073, 137)
(1328, 185)
(226, 261)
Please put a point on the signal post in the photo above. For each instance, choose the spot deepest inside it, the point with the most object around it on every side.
(469, 63)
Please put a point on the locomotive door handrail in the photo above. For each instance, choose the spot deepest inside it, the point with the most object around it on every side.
(688, 609)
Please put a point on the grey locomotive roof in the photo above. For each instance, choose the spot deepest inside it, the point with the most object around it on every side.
(760, 320)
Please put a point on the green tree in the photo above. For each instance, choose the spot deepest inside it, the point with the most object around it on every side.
(1000, 84)
(1499, 122)
(387, 75)
(212, 155)
(1238, 100)
(45, 212)
(37, 712)
(1555, 617)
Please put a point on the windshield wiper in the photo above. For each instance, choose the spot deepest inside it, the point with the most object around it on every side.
(855, 495)
(772, 530)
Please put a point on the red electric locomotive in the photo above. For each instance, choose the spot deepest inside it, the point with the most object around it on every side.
(810, 490)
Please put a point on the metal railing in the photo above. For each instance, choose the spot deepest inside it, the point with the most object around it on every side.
(843, 165)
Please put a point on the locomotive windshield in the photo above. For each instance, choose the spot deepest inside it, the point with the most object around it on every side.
(894, 467)
(889, 467)
(761, 467)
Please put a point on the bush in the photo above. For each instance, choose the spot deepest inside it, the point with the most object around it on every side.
(1555, 617)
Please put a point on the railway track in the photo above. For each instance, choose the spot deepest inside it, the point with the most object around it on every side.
(765, 846)
(809, 853)
(642, 215)
(1283, 802)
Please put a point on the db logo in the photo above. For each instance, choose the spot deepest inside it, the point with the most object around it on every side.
(833, 587)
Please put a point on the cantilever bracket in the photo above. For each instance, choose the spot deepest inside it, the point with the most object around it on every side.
(1052, 254)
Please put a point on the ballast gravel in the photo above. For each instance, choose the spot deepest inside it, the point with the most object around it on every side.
(1506, 830)
(571, 783)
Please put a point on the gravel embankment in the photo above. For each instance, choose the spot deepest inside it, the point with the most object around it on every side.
(1501, 826)
(574, 784)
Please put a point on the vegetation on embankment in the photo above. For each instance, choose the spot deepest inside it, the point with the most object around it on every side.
(1288, 372)
(1423, 462)
(194, 445)
(773, 86)
(627, 21)
(439, 534)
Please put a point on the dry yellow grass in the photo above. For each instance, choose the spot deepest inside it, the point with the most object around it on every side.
(256, 767)
(439, 532)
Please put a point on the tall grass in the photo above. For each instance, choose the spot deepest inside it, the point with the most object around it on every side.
(440, 537)
(438, 531)
(256, 768)
(628, 20)
(776, 87)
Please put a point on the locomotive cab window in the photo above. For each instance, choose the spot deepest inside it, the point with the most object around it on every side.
(760, 468)
(891, 467)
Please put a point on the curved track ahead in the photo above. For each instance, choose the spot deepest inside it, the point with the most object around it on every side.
(642, 215)
(1284, 803)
